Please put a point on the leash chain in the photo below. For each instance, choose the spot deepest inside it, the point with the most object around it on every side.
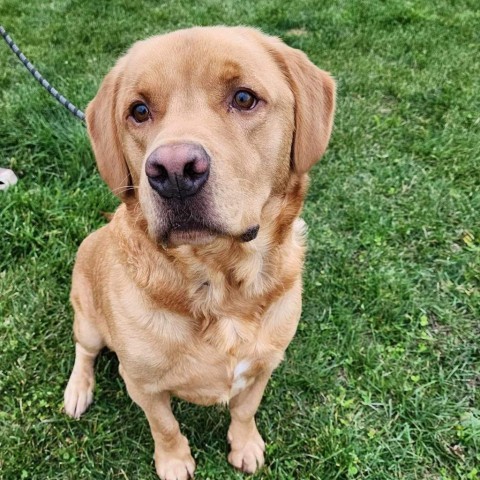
(60, 98)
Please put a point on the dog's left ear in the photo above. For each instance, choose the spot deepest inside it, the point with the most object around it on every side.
(314, 92)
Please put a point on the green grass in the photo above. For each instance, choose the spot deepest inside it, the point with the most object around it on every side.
(382, 380)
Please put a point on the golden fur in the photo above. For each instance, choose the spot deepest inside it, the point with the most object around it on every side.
(206, 317)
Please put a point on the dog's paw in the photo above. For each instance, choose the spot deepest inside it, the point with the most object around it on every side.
(170, 467)
(78, 394)
(249, 455)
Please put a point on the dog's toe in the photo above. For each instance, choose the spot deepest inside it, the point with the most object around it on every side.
(249, 458)
(176, 468)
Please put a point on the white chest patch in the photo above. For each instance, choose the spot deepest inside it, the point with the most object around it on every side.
(239, 380)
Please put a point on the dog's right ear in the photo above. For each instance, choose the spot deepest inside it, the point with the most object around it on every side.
(103, 132)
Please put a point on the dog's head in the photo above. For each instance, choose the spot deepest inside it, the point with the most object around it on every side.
(202, 126)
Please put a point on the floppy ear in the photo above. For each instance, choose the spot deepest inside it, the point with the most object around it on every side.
(314, 92)
(102, 129)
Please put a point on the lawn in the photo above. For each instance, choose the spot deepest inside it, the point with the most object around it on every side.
(382, 380)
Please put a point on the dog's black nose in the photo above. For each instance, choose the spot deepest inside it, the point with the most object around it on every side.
(178, 170)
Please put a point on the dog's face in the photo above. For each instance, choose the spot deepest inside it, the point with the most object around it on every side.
(202, 126)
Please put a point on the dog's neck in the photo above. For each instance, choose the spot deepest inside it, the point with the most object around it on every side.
(225, 277)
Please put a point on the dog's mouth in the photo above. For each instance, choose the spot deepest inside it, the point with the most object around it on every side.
(192, 222)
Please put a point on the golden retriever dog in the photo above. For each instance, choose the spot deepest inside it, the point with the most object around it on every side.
(207, 136)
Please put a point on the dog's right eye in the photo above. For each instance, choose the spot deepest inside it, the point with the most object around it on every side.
(244, 100)
(140, 112)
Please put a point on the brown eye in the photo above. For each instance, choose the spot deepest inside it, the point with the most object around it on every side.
(140, 112)
(244, 100)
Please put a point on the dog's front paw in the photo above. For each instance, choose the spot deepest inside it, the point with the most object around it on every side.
(247, 454)
(172, 467)
(79, 393)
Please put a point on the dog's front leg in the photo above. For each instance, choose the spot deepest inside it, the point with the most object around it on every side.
(173, 460)
(246, 445)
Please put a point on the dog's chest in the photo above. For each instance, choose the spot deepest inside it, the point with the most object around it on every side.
(225, 363)
(214, 354)
(207, 368)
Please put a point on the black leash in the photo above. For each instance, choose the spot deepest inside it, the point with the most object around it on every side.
(60, 98)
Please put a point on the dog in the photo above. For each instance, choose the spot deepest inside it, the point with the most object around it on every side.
(206, 135)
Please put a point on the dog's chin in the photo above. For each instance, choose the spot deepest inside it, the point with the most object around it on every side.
(189, 237)
(196, 235)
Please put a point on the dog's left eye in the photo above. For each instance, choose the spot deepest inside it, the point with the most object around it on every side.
(140, 112)
(244, 100)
